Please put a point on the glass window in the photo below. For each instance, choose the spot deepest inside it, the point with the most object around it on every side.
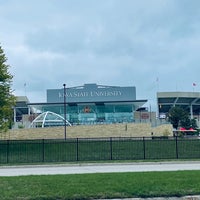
(109, 108)
(123, 108)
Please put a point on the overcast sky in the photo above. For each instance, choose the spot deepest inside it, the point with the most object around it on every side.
(151, 44)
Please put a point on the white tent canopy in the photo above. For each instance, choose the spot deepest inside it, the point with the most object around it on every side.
(48, 119)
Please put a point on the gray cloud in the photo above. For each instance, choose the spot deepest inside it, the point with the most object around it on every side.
(114, 42)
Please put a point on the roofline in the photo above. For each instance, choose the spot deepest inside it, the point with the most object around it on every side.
(178, 94)
(94, 84)
(61, 103)
(22, 99)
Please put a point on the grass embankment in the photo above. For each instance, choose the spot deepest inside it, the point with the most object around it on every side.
(96, 186)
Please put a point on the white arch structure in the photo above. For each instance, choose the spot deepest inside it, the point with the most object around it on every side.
(48, 119)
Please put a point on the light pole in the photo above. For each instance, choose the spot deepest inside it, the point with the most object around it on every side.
(150, 113)
(64, 96)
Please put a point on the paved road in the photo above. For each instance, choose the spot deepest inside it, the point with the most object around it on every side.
(97, 168)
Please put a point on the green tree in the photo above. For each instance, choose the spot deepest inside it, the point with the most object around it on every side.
(178, 116)
(194, 123)
(185, 122)
(7, 99)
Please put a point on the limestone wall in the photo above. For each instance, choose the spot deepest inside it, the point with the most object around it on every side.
(89, 131)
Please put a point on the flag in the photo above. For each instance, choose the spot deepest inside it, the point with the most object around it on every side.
(194, 84)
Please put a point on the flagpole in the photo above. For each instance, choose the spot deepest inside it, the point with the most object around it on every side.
(25, 89)
(194, 85)
(157, 81)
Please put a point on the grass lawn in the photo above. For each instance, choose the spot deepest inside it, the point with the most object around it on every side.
(94, 186)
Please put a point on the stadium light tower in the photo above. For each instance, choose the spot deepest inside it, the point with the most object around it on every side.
(64, 96)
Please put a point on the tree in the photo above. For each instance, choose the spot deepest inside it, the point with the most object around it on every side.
(185, 122)
(7, 99)
(194, 124)
(177, 115)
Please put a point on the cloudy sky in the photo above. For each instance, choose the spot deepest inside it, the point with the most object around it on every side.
(151, 44)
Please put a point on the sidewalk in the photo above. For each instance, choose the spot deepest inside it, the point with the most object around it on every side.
(195, 197)
(89, 168)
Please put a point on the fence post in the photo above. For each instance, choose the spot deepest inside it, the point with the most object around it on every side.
(77, 155)
(111, 149)
(7, 155)
(144, 149)
(176, 147)
(43, 153)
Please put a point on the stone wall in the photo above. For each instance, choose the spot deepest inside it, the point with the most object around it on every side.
(89, 131)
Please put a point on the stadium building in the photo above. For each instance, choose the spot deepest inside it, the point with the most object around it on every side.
(189, 101)
(91, 103)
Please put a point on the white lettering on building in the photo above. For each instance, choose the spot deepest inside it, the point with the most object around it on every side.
(77, 94)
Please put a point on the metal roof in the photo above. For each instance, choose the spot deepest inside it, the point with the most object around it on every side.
(166, 100)
(40, 106)
(22, 99)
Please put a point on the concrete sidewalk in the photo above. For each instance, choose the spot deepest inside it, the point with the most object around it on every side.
(97, 168)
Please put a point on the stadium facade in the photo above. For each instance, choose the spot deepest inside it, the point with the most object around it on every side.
(92, 103)
(189, 101)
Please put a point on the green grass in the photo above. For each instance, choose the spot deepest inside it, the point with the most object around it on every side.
(96, 186)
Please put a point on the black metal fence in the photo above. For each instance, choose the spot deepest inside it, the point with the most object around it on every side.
(98, 149)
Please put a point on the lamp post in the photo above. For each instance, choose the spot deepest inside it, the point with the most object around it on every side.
(64, 96)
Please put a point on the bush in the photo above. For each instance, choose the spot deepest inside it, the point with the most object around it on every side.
(20, 126)
(166, 133)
